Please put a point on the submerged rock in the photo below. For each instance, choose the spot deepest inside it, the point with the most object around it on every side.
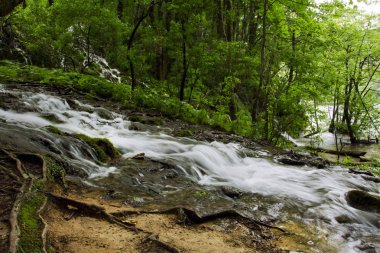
(363, 201)
(343, 219)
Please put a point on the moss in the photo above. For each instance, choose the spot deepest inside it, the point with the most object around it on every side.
(200, 193)
(53, 129)
(104, 149)
(184, 133)
(55, 171)
(29, 222)
(52, 118)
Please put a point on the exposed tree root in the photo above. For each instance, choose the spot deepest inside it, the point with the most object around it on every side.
(44, 231)
(154, 238)
(188, 216)
(15, 230)
(25, 178)
(91, 210)
(19, 166)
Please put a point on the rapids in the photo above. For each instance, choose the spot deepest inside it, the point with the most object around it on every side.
(316, 196)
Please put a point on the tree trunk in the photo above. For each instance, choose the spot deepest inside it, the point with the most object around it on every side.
(184, 63)
(347, 113)
(291, 65)
(219, 19)
(262, 62)
(229, 20)
(130, 43)
(7, 6)
(120, 9)
(252, 27)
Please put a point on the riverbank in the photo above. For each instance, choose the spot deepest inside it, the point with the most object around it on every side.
(159, 188)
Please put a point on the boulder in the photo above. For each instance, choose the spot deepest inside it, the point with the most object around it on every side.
(363, 201)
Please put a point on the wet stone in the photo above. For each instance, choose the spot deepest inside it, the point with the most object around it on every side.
(231, 192)
(343, 219)
(296, 158)
(363, 201)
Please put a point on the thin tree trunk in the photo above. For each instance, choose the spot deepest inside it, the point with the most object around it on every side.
(184, 63)
(229, 20)
(130, 43)
(120, 9)
(291, 68)
(262, 61)
(7, 6)
(252, 27)
(219, 19)
(192, 88)
(346, 111)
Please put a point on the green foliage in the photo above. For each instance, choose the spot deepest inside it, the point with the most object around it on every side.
(241, 77)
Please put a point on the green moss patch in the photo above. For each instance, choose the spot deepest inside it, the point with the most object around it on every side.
(55, 171)
(30, 224)
(104, 149)
(184, 133)
(53, 129)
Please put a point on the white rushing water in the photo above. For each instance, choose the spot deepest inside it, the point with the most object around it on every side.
(320, 192)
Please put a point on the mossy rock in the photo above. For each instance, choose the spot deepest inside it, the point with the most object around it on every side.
(149, 120)
(184, 133)
(104, 149)
(55, 171)
(363, 201)
(54, 130)
(52, 118)
(105, 114)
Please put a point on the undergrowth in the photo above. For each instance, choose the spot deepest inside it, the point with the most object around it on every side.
(154, 97)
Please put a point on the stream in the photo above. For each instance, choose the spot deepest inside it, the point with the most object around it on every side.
(308, 194)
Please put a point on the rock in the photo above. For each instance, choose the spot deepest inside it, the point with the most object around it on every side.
(104, 113)
(302, 158)
(371, 178)
(149, 120)
(52, 118)
(343, 219)
(367, 248)
(364, 159)
(363, 201)
(184, 133)
(231, 192)
(140, 156)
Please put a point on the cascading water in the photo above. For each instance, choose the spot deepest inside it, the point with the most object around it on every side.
(315, 195)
